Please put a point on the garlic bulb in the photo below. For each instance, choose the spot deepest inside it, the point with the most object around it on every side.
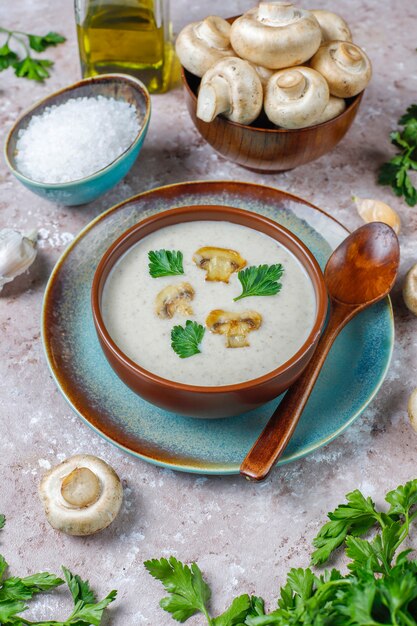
(17, 254)
(377, 211)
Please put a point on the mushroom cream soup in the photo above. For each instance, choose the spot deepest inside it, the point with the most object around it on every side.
(279, 323)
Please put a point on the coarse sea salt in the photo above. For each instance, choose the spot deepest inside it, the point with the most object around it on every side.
(73, 140)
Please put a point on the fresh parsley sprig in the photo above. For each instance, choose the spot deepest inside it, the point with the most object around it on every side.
(27, 66)
(16, 591)
(380, 588)
(396, 171)
(260, 280)
(186, 340)
(165, 263)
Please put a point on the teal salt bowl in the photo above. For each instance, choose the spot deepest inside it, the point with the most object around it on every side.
(86, 189)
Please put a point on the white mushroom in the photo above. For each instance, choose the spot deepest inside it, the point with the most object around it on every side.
(231, 88)
(81, 496)
(412, 409)
(333, 27)
(410, 290)
(219, 263)
(296, 97)
(334, 107)
(264, 74)
(17, 253)
(201, 44)
(276, 35)
(377, 211)
(174, 299)
(345, 66)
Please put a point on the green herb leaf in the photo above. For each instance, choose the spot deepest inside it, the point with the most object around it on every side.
(395, 172)
(40, 44)
(80, 589)
(7, 57)
(15, 588)
(185, 340)
(260, 280)
(2, 521)
(9, 609)
(189, 593)
(404, 497)
(236, 613)
(165, 263)
(34, 69)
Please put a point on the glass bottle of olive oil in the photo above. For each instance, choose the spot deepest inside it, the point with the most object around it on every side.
(127, 36)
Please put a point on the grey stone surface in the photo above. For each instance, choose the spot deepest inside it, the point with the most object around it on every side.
(244, 536)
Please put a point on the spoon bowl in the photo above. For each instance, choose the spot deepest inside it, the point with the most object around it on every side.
(359, 273)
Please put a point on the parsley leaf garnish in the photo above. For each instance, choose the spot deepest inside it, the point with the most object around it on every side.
(165, 263)
(260, 280)
(185, 340)
(25, 65)
(395, 171)
(380, 588)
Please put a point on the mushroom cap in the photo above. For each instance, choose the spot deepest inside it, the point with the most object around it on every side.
(232, 88)
(345, 66)
(410, 291)
(173, 299)
(334, 107)
(220, 263)
(276, 35)
(264, 74)
(201, 44)
(377, 211)
(333, 26)
(82, 495)
(296, 97)
(234, 324)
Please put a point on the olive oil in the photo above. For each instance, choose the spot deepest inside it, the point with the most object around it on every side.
(127, 36)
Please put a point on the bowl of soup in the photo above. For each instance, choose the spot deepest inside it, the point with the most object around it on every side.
(208, 311)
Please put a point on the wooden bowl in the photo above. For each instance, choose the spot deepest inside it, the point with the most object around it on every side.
(262, 146)
(200, 401)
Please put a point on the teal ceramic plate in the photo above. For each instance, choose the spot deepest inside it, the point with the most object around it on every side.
(353, 372)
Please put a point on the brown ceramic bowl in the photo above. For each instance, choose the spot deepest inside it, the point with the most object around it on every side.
(262, 146)
(198, 401)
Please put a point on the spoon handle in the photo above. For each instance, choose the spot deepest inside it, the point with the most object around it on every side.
(277, 433)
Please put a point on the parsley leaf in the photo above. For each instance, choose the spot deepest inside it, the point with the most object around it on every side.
(41, 43)
(27, 66)
(165, 263)
(189, 593)
(395, 172)
(2, 521)
(260, 280)
(236, 613)
(185, 340)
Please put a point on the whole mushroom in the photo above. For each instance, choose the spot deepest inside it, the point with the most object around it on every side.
(334, 107)
(410, 290)
(201, 44)
(345, 66)
(82, 495)
(333, 27)
(296, 97)
(231, 88)
(276, 35)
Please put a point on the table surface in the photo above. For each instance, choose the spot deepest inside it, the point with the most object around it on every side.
(244, 536)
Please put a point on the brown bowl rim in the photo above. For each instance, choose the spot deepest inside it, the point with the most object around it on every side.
(110, 257)
(30, 111)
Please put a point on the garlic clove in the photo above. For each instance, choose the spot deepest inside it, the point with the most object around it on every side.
(377, 211)
(410, 292)
(17, 254)
(412, 409)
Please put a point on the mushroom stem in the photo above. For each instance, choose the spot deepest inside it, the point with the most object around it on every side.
(293, 83)
(212, 32)
(81, 487)
(214, 98)
(348, 56)
(273, 12)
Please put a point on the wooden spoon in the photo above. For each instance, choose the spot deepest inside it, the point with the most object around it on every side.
(360, 272)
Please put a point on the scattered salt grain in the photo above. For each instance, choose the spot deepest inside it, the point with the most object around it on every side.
(73, 140)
